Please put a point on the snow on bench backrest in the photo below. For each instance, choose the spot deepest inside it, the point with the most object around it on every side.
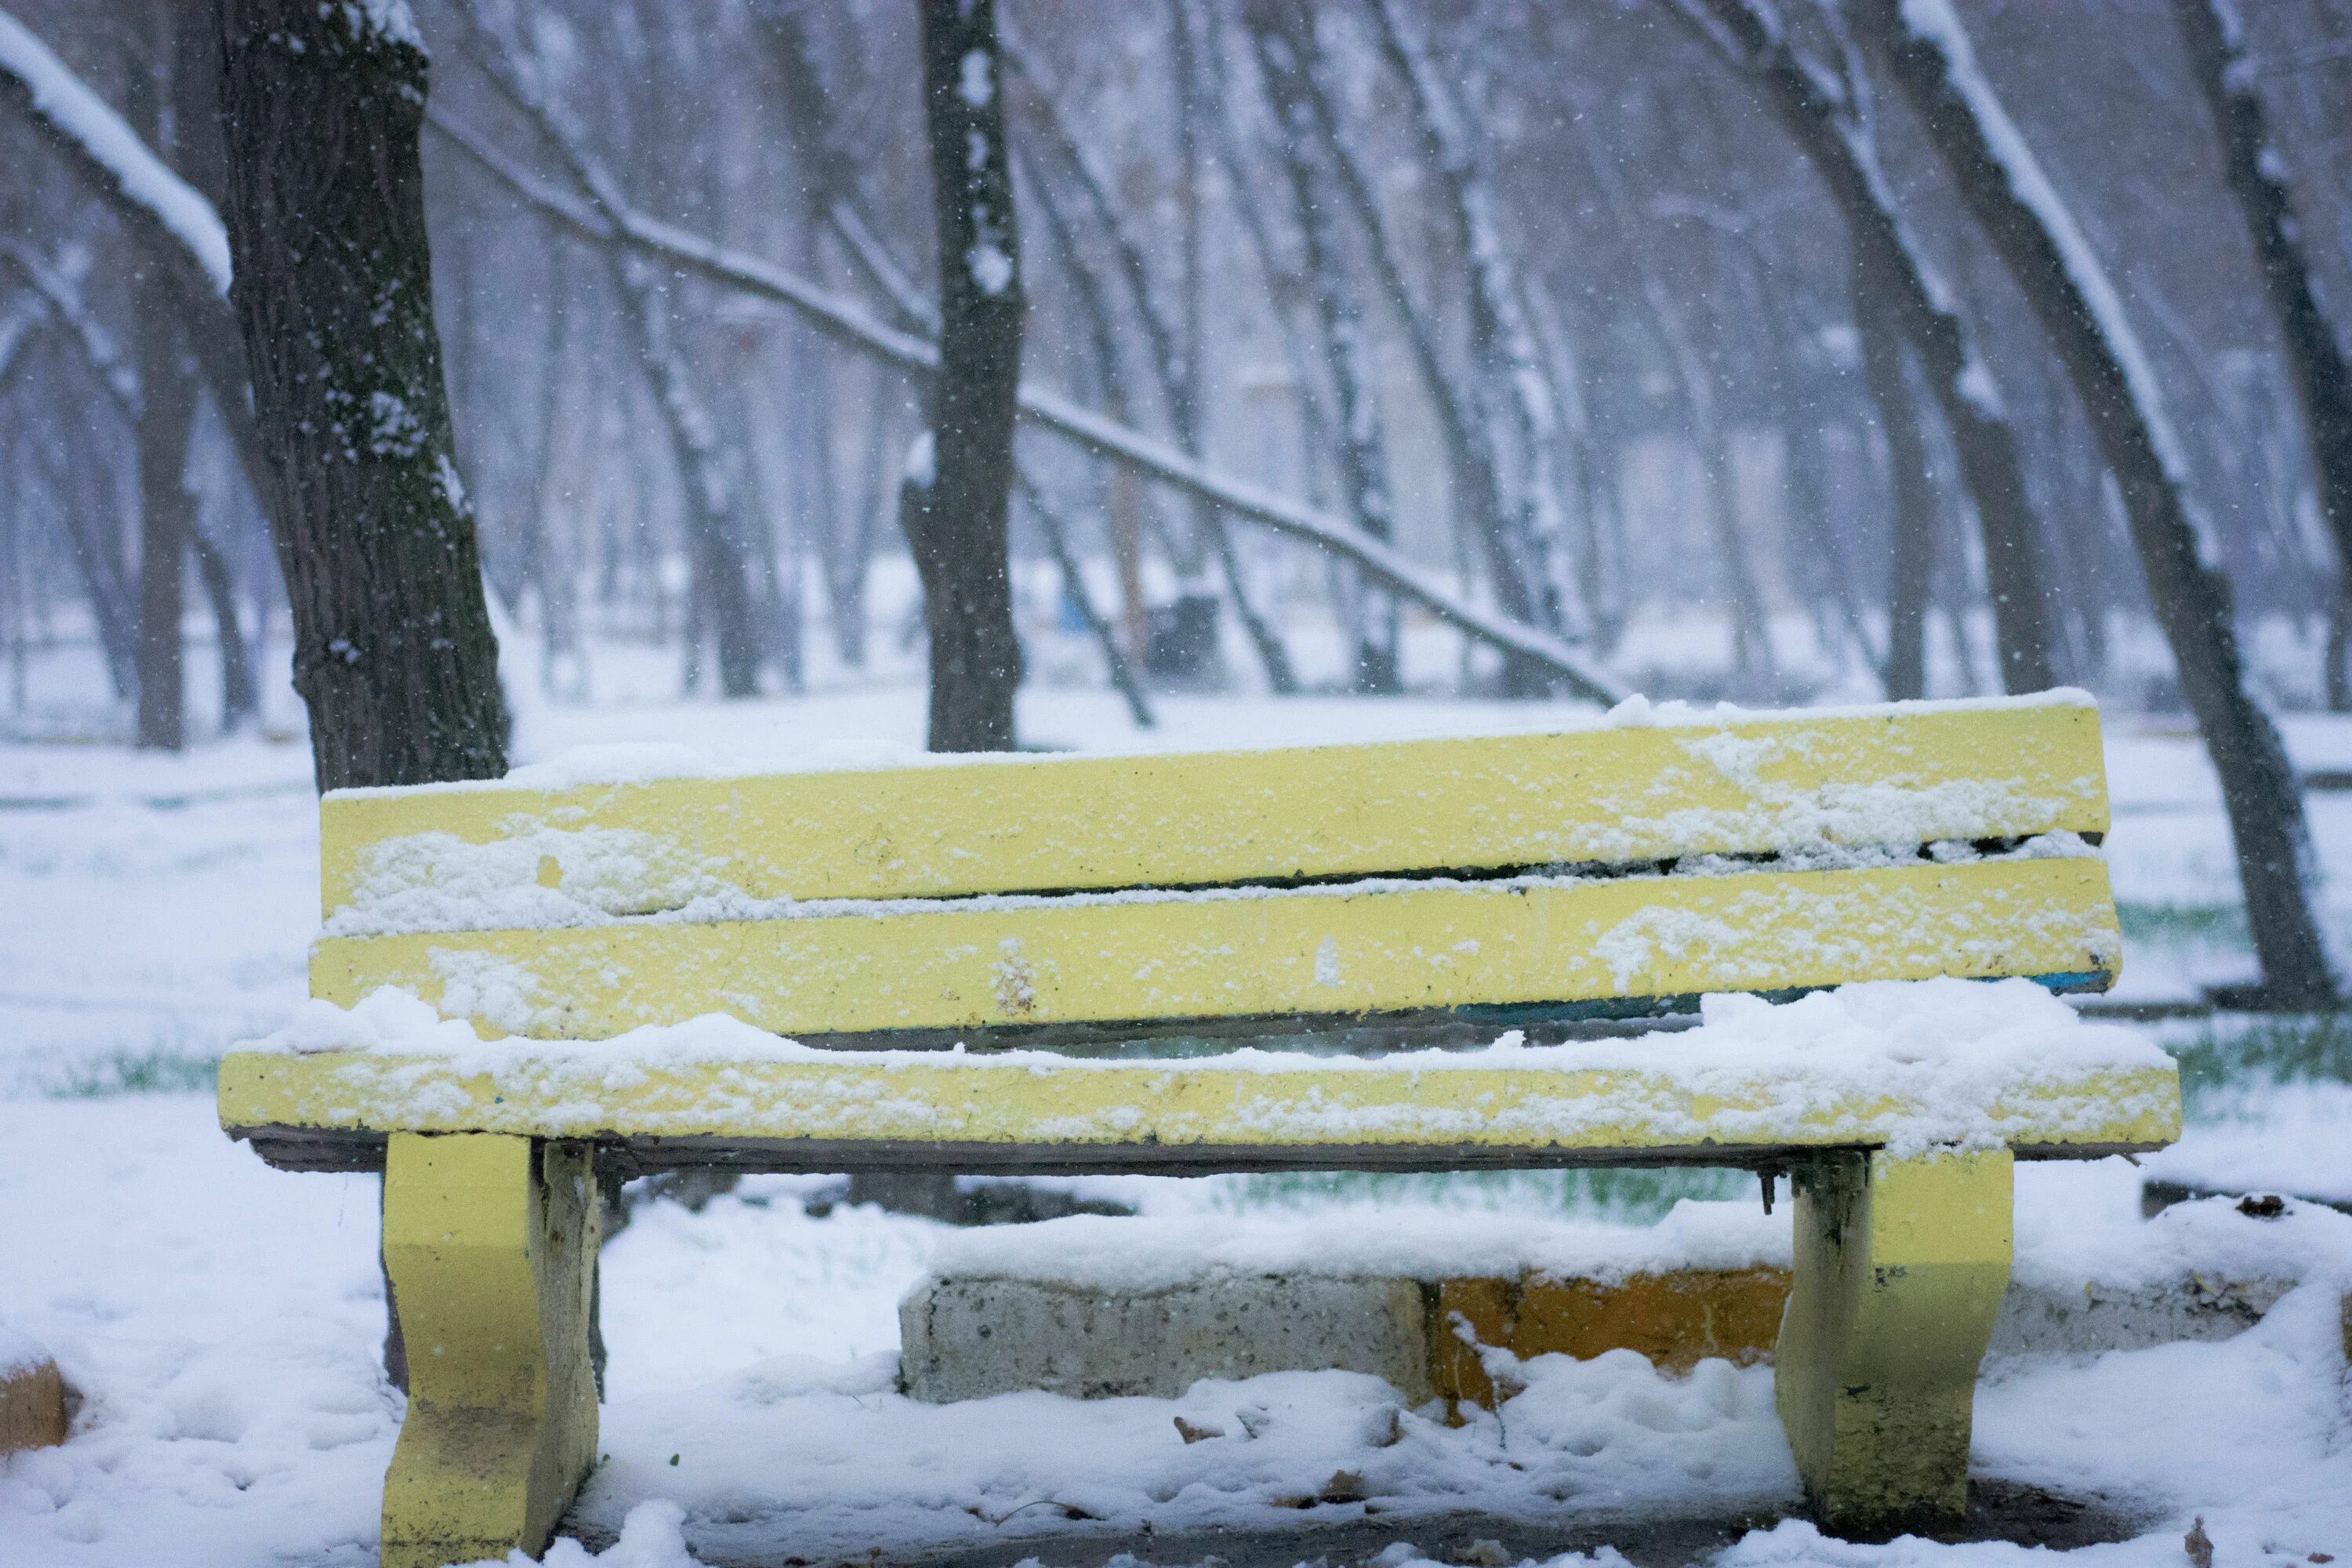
(1480, 882)
(1648, 786)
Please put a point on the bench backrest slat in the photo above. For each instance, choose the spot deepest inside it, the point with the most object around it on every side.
(1614, 795)
(1559, 948)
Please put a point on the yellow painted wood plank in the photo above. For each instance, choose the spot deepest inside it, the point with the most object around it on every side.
(1749, 783)
(1271, 1102)
(1321, 951)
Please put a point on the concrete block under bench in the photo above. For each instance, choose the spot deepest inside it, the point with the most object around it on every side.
(1095, 1309)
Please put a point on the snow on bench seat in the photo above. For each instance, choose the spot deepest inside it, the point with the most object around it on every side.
(1889, 1065)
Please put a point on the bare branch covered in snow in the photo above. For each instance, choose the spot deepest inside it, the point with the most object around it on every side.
(89, 131)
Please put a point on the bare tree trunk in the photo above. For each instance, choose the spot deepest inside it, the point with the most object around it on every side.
(240, 693)
(1512, 369)
(917, 358)
(1175, 372)
(167, 414)
(98, 561)
(1913, 523)
(828, 199)
(1074, 583)
(1282, 37)
(2215, 41)
(1751, 633)
(956, 524)
(2070, 293)
(165, 421)
(1837, 139)
(712, 482)
(1475, 456)
(709, 475)
(393, 652)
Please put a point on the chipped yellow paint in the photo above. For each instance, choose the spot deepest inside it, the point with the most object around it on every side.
(1031, 1100)
(1448, 945)
(490, 1243)
(1900, 1269)
(1756, 784)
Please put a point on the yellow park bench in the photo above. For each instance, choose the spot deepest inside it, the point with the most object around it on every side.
(1100, 936)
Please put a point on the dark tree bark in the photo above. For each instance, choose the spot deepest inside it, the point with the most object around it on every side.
(956, 525)
(394, 653)
(2276, 863)
(2215, 40)
(1835, 138)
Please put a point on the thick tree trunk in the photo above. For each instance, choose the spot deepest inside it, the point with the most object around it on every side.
(2215, 40)
(394, 653)
(2080, 314)
(1887, 266)
(956, 525)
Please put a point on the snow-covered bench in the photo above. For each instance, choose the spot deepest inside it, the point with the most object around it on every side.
(1213, 962)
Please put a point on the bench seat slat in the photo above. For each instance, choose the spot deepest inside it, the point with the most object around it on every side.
(992, 1111)
(1323, 952)
(1613, 794)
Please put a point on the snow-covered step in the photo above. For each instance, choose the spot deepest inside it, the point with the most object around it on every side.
(1100, 1308)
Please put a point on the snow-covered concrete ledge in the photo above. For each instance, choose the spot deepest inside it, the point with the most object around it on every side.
(1095, 1308)
(1905, 1066)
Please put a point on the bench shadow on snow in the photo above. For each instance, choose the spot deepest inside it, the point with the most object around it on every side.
(1998, 1510)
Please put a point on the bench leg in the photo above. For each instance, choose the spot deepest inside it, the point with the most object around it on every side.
(490, 1242)
(1900, 1268)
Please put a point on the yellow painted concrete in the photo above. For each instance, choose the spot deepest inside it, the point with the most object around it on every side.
(1058, 962)
(1900, 1268)
(1028, 1102)
(490, 1243)
(1676, 1320)
(1759, 782)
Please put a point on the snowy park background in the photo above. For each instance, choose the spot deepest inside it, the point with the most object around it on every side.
(222, 1319)
(1390, 369)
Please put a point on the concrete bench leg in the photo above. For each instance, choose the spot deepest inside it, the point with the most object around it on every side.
(490, 1242)
(1900, 1266)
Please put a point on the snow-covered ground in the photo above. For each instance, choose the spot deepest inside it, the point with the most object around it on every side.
(221, 1320)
